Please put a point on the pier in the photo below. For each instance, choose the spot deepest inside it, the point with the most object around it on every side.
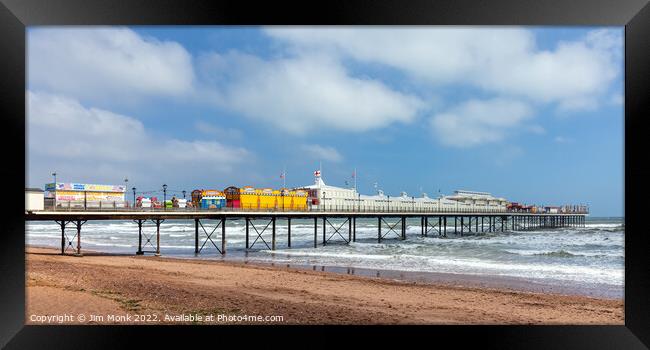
(210, 226)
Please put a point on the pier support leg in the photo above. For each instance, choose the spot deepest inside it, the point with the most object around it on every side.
(315, 232)
(455, 224)
(78, 238)
(289, 232)
(354, 229)
(140, 252)
(462, 225)
(440, 226)
(379, 229)
(445, 230)
(476, 223)
(349, 229)
(62, 223)
(247, 238)
(324, 238)
(422, 226)
(403, 227)
(157, 237)
(223, 235)
(273, 233)
(426, 226)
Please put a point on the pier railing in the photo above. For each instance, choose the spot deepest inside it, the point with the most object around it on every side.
(124, 207)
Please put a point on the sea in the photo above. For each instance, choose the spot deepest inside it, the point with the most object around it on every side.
(573, 260)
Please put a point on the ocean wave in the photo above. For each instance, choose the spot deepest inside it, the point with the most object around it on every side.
(562, 253)
(558, 254)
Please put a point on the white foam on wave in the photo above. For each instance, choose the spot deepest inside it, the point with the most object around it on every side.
(407, 262)
(573, 253)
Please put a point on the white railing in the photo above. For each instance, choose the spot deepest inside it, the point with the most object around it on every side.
(127, 207)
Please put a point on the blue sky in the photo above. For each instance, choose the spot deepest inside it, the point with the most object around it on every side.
(533, 114)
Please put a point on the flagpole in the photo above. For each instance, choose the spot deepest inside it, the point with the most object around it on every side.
(355, 178)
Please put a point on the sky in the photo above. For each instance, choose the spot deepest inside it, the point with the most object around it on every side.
(532, 114)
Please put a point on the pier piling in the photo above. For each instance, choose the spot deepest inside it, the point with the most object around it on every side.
(397, 223)
(445, 233)
(315, 232)
(247, 239)
(349, 229)
(140, 252)
(288, 232)
(62, 224)
(158, 221)
(79, 223)
(223, 235)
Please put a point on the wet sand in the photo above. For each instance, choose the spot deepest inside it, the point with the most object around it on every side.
(126, 289)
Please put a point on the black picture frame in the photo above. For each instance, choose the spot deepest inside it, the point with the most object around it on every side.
(15, 15)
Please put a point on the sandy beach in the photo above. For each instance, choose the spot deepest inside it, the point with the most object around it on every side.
(127, 289)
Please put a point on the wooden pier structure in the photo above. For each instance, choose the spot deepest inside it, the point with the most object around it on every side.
(335, 226)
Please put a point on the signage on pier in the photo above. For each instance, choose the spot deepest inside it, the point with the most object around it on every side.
(83, 187)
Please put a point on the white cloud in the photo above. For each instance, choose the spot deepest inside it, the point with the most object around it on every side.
(306, 86)
(478, 121)
(305, 93)
(106, 63)
(218, 131)
(63, 134)
(536, 129)
(498, 60)
(322, 152)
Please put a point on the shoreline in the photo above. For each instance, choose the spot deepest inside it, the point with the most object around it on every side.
(103, 283)
(495, 282)
(492, 282)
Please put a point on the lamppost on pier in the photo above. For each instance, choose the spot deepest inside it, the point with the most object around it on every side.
(184, 194)
(126, 182)
(133, 196)
(164, 196)
(54, 174)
